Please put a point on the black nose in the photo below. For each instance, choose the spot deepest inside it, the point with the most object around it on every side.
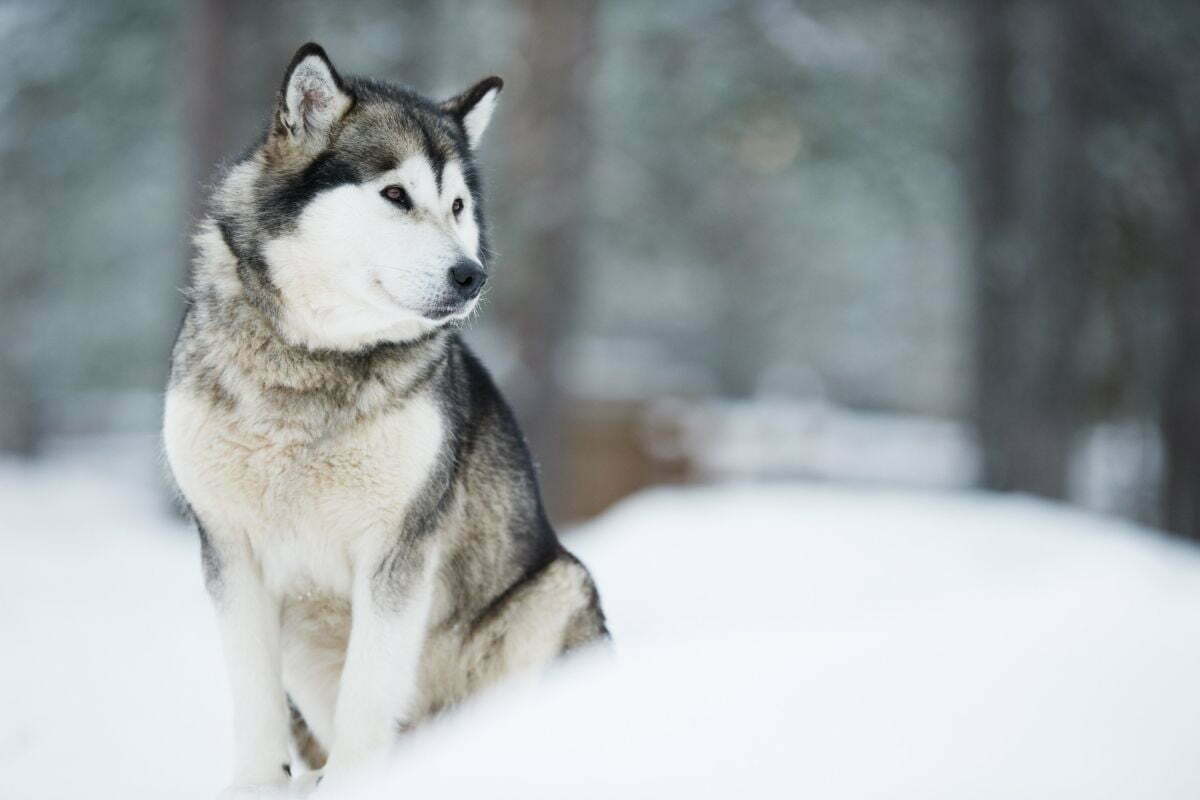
(467, 278)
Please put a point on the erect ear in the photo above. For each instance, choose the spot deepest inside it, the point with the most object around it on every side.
(312, 98)
(473, 108)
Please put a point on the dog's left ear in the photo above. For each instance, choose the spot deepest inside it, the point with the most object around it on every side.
(473, 108)
(312, 98)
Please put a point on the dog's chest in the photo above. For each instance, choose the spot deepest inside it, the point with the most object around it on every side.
(306, 505)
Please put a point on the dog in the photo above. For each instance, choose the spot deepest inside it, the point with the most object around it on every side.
(370, 524)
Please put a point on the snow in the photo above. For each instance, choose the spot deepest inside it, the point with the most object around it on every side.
(800, 435)
(770, 641)
(773, 437)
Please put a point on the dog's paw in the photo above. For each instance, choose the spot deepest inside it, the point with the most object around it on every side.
(306, 784)
(257, 791)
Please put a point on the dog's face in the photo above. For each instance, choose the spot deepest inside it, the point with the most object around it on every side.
(370, 204)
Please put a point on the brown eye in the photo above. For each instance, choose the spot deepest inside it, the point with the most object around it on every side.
(457, 207)
(397, 195)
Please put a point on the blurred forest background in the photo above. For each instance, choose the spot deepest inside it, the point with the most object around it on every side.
(947, 244)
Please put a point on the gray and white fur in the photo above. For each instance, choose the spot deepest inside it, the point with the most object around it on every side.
(371, 529)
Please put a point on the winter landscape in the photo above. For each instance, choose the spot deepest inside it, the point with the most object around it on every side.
(855, 342)
(779, 640)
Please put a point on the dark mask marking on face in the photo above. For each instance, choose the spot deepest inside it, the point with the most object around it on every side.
(289, 197)
(437, 158)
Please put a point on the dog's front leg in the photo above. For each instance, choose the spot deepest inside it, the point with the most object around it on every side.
(249, 620)
(379, 681)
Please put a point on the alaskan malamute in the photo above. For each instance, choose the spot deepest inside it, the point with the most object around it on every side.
(370, 524)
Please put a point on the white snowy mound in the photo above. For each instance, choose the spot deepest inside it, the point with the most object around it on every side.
(769, 642)
(835, 643)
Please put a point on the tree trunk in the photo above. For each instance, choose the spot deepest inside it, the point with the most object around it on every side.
(207, 97)
(1030, 216)
(551, 160)
(20, 431)
(1181, 396)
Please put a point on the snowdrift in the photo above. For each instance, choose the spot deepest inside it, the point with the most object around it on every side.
(770, 641)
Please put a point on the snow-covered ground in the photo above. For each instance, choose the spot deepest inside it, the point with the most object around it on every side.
(771, 641)
(1114, 467)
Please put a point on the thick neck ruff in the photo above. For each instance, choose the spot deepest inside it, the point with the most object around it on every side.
(234, 353)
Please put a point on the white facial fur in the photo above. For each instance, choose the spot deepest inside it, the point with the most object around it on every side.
(358, 270)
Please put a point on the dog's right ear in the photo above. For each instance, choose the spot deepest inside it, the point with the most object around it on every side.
(312, 99)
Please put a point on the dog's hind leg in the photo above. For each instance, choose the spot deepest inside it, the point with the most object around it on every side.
(550, 613)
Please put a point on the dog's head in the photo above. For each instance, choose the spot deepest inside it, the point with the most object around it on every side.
(365, 217)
